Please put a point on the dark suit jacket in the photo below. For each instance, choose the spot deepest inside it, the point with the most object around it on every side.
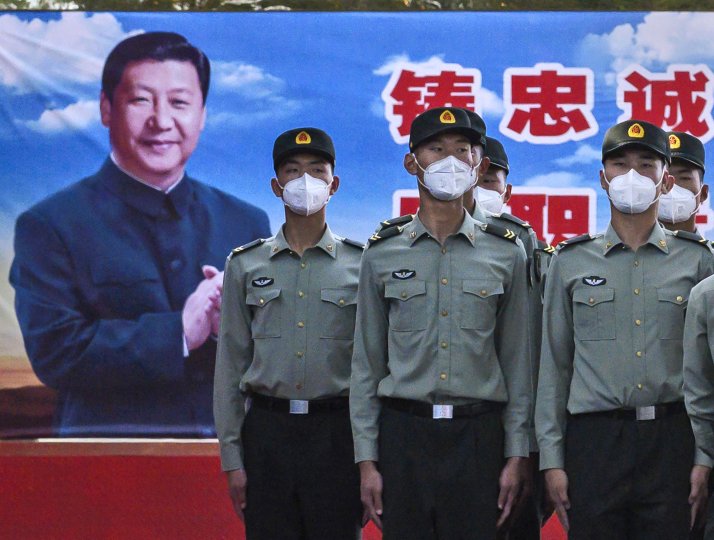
(102, 270)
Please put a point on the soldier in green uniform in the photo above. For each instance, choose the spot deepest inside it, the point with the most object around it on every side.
(614, 438)
(287, 327)
(440, 394)
(678, 208)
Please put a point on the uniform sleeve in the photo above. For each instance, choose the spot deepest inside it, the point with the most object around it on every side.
(234, 355)
(512, 340)
(556, 369)
(71, 346)
(535, 317)
(369, 362)
(699, 376)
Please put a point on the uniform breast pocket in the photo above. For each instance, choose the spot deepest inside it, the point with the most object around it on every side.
(265, 307)
(594, 313)
(339, 307)
(671, 307)
(407, 306)
(479, 304)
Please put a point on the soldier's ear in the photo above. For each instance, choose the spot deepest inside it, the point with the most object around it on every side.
(335, 184)
(507, 194)
(275, 186)
(704, 195)
(603, 183)
(483, 167)
(667, 182)
(410, 164)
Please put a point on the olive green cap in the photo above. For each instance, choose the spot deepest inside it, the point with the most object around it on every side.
(299, 140)
(687, 147)
(497, 154)
(439, 120)
(636, 132)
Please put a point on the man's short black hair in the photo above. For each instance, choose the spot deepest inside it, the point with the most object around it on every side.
(159, 46)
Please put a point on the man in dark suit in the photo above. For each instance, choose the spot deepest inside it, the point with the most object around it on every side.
(117, 291)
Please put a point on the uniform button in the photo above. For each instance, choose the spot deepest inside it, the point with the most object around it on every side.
(638, 322)
(298, 386)
(444, 313)
(639, 354)
(261, 301)
(176, 264)
(679, 299)
(639, 387)
(403, 295)
(483, 292)
(341, 301)
(443, 250)
(442, 376)
(637, 291)
(591, 300)
(301, 294)
(444, 281)
(301, 324)
(302, 265)
(444, 345)
(299, 354)
(637, 263)
(608, 245)
(275, 249)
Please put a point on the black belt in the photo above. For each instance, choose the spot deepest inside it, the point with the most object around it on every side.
(298, 406)
(652, 412)
(427, 410)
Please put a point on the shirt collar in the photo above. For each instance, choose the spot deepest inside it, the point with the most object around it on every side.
(144, 197)
(416, 229)
(327, 243)
(657, 238)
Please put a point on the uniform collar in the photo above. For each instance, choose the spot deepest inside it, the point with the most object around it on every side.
(416, 229)
(657, 238)
(327, 243)
(143, 197)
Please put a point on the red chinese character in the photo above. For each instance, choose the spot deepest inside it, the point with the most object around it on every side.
(548, 104)
(679, 100)
(414, 88)
(568, 216)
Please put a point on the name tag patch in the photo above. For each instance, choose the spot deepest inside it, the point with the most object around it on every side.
(263, 282)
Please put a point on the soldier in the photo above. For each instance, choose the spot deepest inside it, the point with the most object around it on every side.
(614, 438)
(440, 387)
(678, 208)
(285, 342)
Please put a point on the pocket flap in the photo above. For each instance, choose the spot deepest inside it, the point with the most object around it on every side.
(404, 290)
(592, 296)
(261, 297)
(339, 297)
(484, 289)
(675, 296)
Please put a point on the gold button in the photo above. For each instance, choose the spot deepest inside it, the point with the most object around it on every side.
(302, 265)
(444, 313)
(444, 345)
(608, 245)
(591, 300)
(679, 299)
(443, 250)
(341, 301)
(639, 387)
(637, 263)
(639, 354)
(403, 295)
(637, 291)
(301, 324)
(298, 354)
(301, 294)
(261, 301)
(638, 322)
(483, 292)
(442, 376)
(444, 281)
(298, 386)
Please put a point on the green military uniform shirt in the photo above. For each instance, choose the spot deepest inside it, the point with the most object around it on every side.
(441, 324)
(287, 325)
(699, 369)
(613, 322)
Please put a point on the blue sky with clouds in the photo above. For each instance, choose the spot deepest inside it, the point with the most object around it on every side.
(276, 71)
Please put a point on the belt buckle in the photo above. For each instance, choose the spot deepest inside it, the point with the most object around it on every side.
(299, 406)
(442, 412)
(645, 413)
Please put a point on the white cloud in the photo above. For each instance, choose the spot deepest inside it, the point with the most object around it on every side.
(245, 79)
(273, 108)
(38, 55)
(583, 155)
(558, 179)
(76, 116)
(491, 103)
(660, 39)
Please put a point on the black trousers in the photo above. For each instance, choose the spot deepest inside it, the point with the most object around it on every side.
(303, 483)
(629, 479)
(440, 476)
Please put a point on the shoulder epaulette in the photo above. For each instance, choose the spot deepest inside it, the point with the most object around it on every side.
(353, 243)
(400, 220)
(502, 232)
(692, 237)
(394, 230)
(246, 247)
(575, 240)
(513, 219)
(545, 247)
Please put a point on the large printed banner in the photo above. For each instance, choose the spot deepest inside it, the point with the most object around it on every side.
(547, 84)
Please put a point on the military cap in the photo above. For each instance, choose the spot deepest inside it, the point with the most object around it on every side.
(636, 132)
(439, 120)
(496, 153)
(298, 140)
(478, 124)
(685, 146)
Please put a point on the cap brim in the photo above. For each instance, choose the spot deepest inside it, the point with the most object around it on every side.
(689, 159)
(474, 136)
(637, 143)
(285, 155)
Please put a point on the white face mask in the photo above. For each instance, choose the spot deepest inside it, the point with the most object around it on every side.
(489, 200)
(448, 178)
(306, 195)
(632, 193)
(678, 205)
